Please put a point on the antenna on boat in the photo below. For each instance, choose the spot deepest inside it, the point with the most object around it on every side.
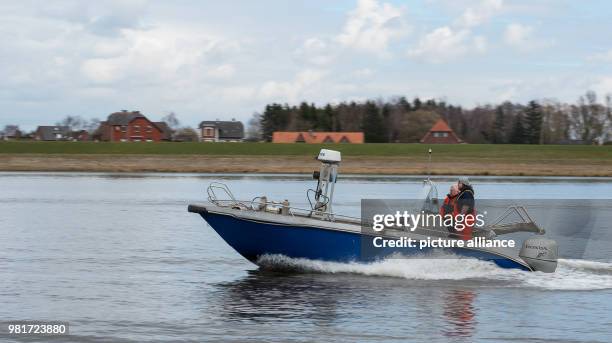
(429, 164)
(430, 191)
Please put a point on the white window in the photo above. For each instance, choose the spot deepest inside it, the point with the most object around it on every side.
(440, 134)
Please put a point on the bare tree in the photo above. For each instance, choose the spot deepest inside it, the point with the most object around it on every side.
(588, 119)
(172, 121)
(73, 122)
(186, 134)
(253, 131)
(92, 125)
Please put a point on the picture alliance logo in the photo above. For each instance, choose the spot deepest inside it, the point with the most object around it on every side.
(411, 220)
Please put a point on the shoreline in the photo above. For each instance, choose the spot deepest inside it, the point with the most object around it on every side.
(281, 164)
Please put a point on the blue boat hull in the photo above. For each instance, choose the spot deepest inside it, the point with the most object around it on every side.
(253, 239)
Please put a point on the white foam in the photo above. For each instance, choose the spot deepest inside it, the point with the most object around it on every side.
(570, 274)
(574, 275)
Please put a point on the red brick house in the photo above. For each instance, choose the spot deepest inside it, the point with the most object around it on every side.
(126, 126)
(440, 133)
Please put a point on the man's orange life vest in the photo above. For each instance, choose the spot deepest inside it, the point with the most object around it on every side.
(448, 207)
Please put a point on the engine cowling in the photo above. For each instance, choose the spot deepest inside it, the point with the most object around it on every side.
(541, 254)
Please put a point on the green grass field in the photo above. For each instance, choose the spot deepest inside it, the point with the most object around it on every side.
(472, 151)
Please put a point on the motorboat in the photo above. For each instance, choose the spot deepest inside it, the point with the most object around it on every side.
(260, 227)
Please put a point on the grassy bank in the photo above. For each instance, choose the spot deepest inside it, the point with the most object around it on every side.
(469, 159)
(440, 151)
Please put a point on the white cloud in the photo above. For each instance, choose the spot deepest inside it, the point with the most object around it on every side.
(223, 71)
(364, 72)
(601, 57)
(603, 85)
(474, 16)
(158, 55)
(518, 35)
(315, 51)
(445, 44)
(292, 91)
(522, 38)
(371, 26)
(101, 70)
(480, 43)
(105, 18)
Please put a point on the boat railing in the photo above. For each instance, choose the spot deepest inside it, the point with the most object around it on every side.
(261, 204)
(212, 195)
(278, 207)
(524, 224)
(220, 195)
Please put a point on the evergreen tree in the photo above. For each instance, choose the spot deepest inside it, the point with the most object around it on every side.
(373, 126)
(416, 104)
(274, 118)
(518, 130)
(325, 117)
(305, 112)
(387, 124)
(404, 104)
(533, 116)
(498, 126)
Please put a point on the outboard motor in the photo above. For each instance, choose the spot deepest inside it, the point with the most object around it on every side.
(326, 178)
(541, 254)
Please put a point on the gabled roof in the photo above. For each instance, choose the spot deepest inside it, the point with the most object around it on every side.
(317, 137)
(227, 129)
(165, 129)
(49, 133)
(123, 117)
(440, 126)
(448, 136)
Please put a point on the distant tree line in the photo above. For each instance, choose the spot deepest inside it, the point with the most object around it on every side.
(587, 121)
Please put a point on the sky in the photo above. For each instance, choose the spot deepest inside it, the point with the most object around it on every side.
(207, 60)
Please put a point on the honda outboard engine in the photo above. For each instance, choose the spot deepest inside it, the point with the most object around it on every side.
(540, 254)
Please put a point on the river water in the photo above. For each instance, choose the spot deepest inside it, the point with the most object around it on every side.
(119, 257)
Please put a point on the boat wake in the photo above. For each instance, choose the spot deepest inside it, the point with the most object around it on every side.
(570, 274)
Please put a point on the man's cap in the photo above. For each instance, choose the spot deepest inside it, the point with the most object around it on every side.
(464, 180)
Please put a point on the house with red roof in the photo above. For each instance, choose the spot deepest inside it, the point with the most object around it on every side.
(317, 137)
(441, 133)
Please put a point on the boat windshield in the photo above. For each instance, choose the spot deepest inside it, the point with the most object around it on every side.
(429, 196)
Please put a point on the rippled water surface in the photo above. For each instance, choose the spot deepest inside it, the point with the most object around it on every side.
(120, 258)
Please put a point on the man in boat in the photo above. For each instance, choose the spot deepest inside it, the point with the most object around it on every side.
(448, 207)
(449, 202)
(465, 205)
